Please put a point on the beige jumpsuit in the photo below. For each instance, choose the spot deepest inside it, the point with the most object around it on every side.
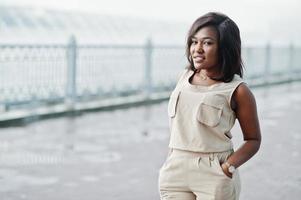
(200, 122)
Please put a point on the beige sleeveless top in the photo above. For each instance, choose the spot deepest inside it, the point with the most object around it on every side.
(201, 116)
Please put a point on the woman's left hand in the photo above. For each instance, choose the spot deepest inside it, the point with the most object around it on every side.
(225, 170)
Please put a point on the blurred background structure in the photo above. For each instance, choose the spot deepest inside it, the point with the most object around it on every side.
(66, 58)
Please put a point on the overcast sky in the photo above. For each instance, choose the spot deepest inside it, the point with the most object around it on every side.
(182, 10)
(262, 17)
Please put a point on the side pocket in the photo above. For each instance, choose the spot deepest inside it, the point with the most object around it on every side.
(172, 104)
(218, 162)
(166, 161)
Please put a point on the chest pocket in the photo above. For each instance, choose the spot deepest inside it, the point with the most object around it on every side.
(173, 102)
(210, 110)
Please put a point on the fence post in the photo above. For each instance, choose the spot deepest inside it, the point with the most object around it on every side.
(291, 68)
(267, 67)
(71, 71)
(148, 68)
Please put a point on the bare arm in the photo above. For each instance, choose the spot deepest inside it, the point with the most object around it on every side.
(246, 113)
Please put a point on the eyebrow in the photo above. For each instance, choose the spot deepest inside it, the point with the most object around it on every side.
(204, 38)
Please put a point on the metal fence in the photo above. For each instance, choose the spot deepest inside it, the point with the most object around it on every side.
(50, 74)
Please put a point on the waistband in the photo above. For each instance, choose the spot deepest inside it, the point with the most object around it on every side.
(179, 152)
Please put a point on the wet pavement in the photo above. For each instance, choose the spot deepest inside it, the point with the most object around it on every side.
(116, 155)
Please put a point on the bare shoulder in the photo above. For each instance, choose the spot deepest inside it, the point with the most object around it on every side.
(243, 90)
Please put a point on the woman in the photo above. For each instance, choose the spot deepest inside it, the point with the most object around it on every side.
(209, 96)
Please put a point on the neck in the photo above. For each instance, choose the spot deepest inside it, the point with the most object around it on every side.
(204, 74)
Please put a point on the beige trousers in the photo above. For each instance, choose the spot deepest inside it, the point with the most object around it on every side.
(189, 175)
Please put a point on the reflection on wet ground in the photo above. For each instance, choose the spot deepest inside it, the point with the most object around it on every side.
(116, 155)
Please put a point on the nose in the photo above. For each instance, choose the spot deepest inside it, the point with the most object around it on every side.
(199, 47)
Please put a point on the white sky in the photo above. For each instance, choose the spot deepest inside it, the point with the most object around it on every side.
(264, 17)
(182, 10)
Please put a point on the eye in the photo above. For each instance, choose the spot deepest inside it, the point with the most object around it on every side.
(194, 42)
(207, 43)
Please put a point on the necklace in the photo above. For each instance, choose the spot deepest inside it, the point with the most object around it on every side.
(203, 76)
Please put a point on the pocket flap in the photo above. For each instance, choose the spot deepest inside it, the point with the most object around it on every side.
(209, 114)
(172, 104)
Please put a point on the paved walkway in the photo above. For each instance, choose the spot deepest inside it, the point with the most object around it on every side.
(116, 155)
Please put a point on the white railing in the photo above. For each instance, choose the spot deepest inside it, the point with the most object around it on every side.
(50, 74)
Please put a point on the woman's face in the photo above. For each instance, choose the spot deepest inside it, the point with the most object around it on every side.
(204, 49)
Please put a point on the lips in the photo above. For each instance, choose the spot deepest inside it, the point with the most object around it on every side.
(198, 58)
